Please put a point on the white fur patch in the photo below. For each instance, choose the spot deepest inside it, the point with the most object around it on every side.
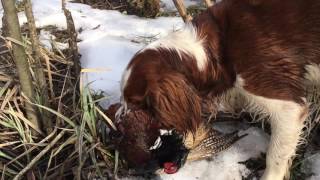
(185, 40)
(165, 132)
(237, 100)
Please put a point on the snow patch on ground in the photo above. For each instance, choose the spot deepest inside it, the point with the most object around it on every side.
(114, 63)
(46, 38)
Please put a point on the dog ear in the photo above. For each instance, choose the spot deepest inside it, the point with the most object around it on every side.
(176, 103)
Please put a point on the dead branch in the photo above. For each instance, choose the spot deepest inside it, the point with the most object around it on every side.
(73, 39)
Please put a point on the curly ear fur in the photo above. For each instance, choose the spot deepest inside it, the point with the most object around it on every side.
(176, 104)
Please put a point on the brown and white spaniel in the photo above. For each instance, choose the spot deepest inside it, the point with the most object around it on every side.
(253, 55)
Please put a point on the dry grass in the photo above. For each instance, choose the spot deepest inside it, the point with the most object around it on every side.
(75, 148)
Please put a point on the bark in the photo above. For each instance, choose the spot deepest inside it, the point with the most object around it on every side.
(20, 59)
(182, 10)
(37, 66)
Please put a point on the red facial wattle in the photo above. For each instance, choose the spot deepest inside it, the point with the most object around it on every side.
(170, 168)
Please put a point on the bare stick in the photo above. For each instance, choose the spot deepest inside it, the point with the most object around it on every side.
(73, 39)
(182, 10)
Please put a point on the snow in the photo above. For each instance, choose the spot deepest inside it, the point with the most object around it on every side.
(46, 39)
(108, 40)
(107, 81)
